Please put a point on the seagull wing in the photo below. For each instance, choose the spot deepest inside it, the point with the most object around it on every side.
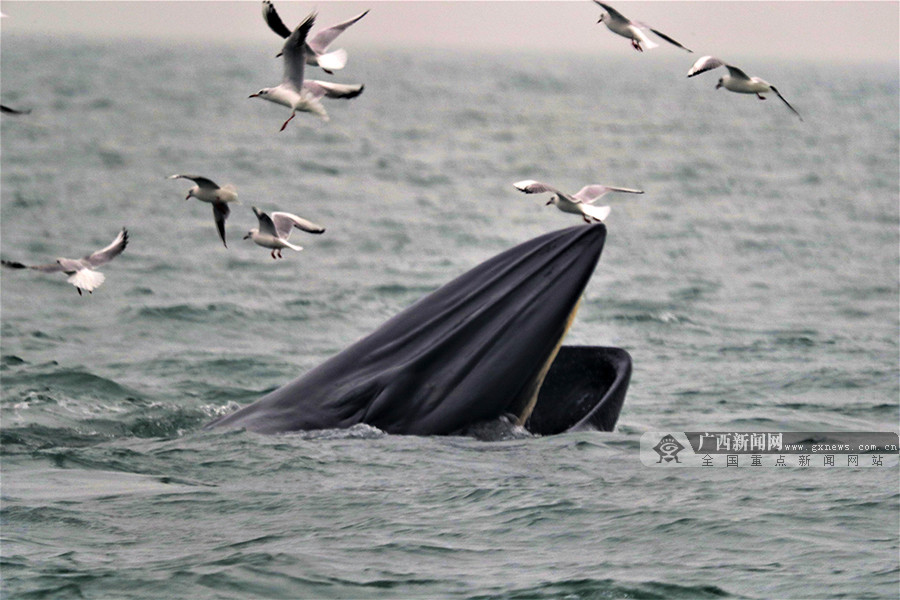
(105, 255)
(613, 13)
(285, 222)
(322, 39)
(530, 186)
(294, 52)
(273, 20)
(318, 89)
(737, 73)
(201, 181)
(777, 93)
(590, 193)
(704, 64)
(51, 268)
(12, 111)
(670, 40)
(220, 213)
(265, 223)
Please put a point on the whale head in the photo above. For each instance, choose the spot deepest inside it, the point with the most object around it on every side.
(474, 350)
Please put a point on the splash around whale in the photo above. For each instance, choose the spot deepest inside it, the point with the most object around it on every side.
(486, 345)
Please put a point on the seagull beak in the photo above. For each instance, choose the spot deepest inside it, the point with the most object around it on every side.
(188, 197)
(549, 202)
(247, 237)
(279, 55)
(718, 85)
(253, 96)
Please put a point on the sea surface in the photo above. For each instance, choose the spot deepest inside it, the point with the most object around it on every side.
(755, 285)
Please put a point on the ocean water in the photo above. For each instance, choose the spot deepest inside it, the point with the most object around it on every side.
(755, 285)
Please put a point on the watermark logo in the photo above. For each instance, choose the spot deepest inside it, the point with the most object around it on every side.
(755, 449)
(668, 449)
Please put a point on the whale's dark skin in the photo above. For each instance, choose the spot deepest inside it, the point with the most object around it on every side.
(474, 350)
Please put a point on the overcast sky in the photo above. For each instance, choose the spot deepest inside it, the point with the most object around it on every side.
(846, 31)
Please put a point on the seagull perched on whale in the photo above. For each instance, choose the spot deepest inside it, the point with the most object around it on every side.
(633, 30)
(207, 191)
(737, 80)
(273, 232)
(295, 92)
(81, 270)
(317, 53)
(579, 203)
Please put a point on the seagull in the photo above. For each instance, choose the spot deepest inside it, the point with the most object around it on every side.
(294, 92)
(622, 25)
(317, 54)
(12, 111)
(580, 203)
(207, 191)
(81, 270)
(274, 231)
(737, 80)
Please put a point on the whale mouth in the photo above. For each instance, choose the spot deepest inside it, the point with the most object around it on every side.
(481, 346)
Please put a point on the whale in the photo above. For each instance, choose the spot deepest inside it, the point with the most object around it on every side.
(485, 346)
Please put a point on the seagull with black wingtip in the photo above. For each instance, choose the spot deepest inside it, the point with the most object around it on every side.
(317, 53)
(737, 81)
(295, 92)
(579, 203)
(206, 190)
(273, 231)
(81, 270)
(633, 30)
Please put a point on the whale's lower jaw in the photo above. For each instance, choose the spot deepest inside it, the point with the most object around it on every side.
(584, 390)
(475, 349)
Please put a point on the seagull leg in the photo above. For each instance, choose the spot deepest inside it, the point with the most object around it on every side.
(273, 254)
(279, 253)
(586, 220)
(760, 96)
(79, 291)
(637, 45)
(293, 114)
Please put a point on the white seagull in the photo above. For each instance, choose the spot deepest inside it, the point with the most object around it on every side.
(737, 80)
(207, 191)
(81, 270)
(274, 231)
(580, 203)
(633, 30)
(317, 53)
(295, 92)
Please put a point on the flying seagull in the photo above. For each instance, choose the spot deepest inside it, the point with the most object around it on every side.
(207, 191)
(81, 270)
(317, 54)
(295, 92)
(580, 203)
(737, 80)
(274, 231)
(633, 30)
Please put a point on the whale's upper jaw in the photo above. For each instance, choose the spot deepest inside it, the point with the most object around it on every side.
(473, 350)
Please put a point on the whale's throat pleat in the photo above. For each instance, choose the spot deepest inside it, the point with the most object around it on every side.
(529, 398)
